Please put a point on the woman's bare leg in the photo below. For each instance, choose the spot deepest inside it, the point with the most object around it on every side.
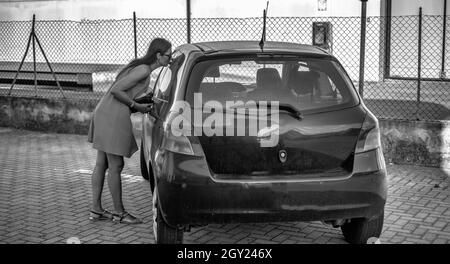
(98, 178)
(115, 167)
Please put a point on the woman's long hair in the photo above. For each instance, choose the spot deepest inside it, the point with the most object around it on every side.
(157, 45)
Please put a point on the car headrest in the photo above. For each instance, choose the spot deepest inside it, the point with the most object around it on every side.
(231, 86)
(303, 82)
(267, 78)
(213, 72)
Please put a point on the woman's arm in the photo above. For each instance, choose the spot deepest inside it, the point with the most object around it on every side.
(129, 81)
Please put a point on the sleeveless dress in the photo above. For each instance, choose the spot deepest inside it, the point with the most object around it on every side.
(111, 130)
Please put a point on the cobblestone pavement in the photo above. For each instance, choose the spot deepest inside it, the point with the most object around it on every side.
(45, 196)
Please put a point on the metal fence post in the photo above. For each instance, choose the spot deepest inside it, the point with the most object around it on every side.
(188, 17)
(444, 29)
(34, 39)
(362, 46)
(34, 56)
(135, 36)
(419, 64)
(387, 40)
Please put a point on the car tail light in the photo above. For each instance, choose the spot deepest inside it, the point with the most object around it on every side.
(175, 138)
(368, 153)
(369, 137)
(178, 144)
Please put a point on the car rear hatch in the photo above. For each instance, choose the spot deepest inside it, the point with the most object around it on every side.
(285, 118)
(319, 145)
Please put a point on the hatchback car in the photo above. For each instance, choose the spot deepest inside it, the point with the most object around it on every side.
(243, 134)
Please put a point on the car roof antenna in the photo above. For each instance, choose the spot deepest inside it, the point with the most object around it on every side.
(263, 38)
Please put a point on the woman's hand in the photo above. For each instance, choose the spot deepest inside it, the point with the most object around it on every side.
(143, 108)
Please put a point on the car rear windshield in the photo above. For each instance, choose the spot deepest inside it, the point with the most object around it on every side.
(308, 84)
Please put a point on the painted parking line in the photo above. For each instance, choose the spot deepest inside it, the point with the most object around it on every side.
(126, 177)
(5, 130)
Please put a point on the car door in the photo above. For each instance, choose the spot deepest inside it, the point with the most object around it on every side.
(151, 120)
(162, 94)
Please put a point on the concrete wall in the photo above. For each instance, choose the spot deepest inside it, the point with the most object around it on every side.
(404, 38)
(14, 10)
(50, 115)
(404, 142)
(416, 142)
(411, 7)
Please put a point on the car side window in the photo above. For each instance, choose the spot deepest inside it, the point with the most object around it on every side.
(167, 80)
(162, 83)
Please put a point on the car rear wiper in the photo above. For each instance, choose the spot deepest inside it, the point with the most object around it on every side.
(282, 107)
(290, 109)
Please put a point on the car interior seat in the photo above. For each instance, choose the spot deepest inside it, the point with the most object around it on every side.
(268, 78)
(268, 82)
(220, 91)
(304, 83)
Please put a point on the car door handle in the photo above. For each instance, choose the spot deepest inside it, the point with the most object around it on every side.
(160, 100)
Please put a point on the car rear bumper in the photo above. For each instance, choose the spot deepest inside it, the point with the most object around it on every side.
(189, 194)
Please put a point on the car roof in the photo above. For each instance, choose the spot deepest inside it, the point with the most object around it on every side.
(253, 46)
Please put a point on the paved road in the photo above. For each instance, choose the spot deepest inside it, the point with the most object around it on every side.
(45, 197)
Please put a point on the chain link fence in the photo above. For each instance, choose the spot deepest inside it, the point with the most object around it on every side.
(397, 93)
(86, 55)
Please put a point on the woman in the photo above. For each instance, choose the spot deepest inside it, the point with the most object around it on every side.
(111, 131)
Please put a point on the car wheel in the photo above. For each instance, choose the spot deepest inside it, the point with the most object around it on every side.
(144, 168)
(164, 234)
(359, 230)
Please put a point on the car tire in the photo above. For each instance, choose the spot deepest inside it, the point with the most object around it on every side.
(144, 168)
(359, 230)
(164, 234)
